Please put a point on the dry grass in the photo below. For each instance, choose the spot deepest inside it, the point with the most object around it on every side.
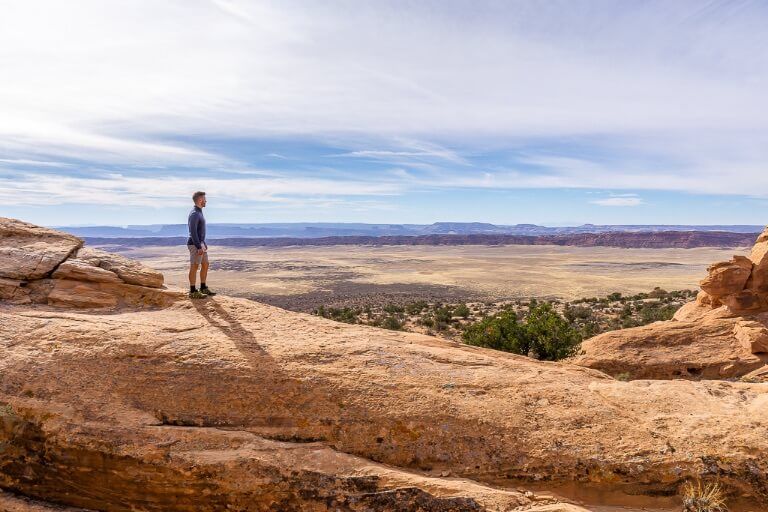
(700, 497)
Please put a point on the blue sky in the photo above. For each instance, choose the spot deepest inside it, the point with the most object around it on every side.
(550, 112)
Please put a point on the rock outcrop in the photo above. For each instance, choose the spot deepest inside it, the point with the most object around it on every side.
(44, 266)
(723, 334)
(228, 404)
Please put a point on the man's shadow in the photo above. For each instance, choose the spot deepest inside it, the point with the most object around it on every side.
(242, 338)
(291, 397)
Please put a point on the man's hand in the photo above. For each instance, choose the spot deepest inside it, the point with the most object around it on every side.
(200, 251)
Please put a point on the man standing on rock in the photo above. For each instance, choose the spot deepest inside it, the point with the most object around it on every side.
(198, 249)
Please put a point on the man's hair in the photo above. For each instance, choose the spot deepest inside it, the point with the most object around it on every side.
(197, 195)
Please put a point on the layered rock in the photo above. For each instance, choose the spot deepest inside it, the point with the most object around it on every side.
(32, 252)
(722, 335)
(44, 266)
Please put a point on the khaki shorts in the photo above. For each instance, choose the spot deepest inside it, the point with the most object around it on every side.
(197, 259)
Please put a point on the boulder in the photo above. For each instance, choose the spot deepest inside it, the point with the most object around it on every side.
(752, 335)
(759, 257)
(89, 295)
(723, 334)
(32, 252)
(703, 344)
(727, 277)
(129, 271)
(83, 270)
(758, 376)
(44, 266)
(78, 294)
(745, 301)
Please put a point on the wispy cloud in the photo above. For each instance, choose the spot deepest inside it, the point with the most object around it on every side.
(110, 189)
(456, 95)
(618, 201)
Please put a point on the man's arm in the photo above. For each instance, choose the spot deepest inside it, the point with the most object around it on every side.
(193, 221)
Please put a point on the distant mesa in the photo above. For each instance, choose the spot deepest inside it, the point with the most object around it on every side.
(320, 229)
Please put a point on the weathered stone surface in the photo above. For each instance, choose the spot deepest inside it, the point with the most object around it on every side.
(757, 376)
(752, 335)
(81, 270)
(84, 294)
(14, 291)
(32, 252)
(745, 302)
(149, 395)
(759, 256)
(204, 468)
(11, 503)
(78, 294)
(230, 404)
(727, 277)
(130, 271)
(700, 345)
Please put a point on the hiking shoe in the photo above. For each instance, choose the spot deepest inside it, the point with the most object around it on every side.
(207, 291)
(197, 294)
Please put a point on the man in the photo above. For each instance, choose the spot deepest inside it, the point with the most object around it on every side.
(198, 249)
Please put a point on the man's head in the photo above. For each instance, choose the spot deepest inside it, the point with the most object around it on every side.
(199, 199)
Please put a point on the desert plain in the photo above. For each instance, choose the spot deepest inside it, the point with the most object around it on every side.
(301, 278)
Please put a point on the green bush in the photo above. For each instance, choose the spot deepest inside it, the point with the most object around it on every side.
(444, 314)
(545, 334)
(427, 321)
(392, 322)
(651, 313)
(499, 332)
(461, 310)
(394, 308)
(552, 336)
(414, 308)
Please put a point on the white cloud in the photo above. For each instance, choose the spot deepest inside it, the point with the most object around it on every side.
(618, 201)
(673, 94)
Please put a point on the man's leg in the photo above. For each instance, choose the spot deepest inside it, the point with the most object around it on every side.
(204, 275)
(193, 274)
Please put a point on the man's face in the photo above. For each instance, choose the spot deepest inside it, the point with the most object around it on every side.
(200, 202)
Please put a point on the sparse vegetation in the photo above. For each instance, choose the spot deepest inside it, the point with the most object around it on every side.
(555, 326)
(6, 410)
(700, 497)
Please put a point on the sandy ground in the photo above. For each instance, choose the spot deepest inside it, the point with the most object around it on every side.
(305, 277)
